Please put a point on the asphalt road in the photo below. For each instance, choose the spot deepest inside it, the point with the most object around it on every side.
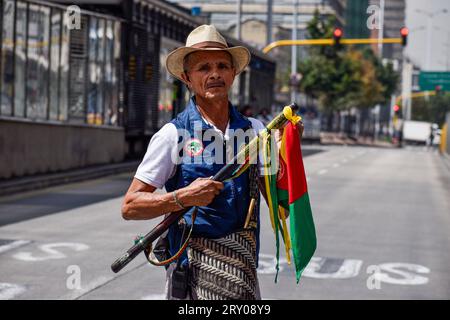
(382, 219)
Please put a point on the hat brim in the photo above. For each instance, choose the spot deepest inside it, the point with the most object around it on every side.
(174, 62)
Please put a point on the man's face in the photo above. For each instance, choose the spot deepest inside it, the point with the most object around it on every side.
(209, 74)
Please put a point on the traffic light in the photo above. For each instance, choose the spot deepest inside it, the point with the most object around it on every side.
(337, 35)
(404, 33)
(396, 109)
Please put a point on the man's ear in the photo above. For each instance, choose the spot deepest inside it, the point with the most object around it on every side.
(234, 73)
(185, 78)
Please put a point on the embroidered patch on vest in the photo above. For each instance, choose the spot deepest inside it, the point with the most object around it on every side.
(193, 147)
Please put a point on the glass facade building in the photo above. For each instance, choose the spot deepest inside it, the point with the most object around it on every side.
(54, 70)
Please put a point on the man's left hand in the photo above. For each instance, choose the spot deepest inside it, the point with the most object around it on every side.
(279, 133)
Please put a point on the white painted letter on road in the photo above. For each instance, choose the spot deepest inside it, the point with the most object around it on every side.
(331, 268)
(10, 291)
(51, 252)
(406, 278)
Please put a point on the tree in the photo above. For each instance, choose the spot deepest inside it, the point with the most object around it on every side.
(432, 110)
(385, 74)
(343, 79)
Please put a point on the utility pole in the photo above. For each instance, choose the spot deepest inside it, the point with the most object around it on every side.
(294, 51)
(381, 29)
(269, 22)
(238, 22)
(377, 108)
(407, 71)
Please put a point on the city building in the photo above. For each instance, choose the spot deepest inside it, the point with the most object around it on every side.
(87, 85)
(356, 19)
(223, 14)
(253, 29)
(394, 20)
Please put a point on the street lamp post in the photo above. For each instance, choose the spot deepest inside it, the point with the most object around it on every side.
(430, 16)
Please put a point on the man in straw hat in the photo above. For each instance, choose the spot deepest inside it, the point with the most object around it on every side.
(222, 256)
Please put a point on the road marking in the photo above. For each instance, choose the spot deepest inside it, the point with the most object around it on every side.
(154, 297)
(10, 291)
(323, 171)
(406, 278)
(337, 268)
(13, 245)
(51, 252)
(332, 268)
(318, 268)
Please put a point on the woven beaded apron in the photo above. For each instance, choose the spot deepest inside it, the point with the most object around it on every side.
(225, 268)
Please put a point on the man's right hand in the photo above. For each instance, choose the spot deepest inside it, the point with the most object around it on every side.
(200, 192)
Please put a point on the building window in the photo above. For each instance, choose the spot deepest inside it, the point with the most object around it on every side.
(116, 89)
(20, 60)
(38, 62)
(103, 85)
(55, 62)
(78, 71)
(46, 69)
(99, 116)
(92, 71)
(64, 71)
(109, 70)
(7, 65)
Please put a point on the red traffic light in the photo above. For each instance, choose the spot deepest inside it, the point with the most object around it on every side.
(396, 108)
(337, 33)
(404, 31)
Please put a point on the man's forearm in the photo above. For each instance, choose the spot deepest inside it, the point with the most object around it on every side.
(148, 205)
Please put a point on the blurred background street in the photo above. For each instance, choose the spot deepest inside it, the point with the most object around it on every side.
(84, 87)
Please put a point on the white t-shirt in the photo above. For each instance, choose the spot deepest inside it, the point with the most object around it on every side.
(157, 166)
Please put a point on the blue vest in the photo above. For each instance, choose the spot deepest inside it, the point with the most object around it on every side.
(227, 212)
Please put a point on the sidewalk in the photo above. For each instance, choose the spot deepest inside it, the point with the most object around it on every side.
(334, 138)
(24, 184)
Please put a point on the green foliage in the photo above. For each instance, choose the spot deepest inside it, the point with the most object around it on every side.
(385, 74)
(344, 77)
(432, 109)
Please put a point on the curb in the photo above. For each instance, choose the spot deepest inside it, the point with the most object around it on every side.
(24, 184)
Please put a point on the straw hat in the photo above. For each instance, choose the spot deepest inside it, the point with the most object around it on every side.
(205, 37)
